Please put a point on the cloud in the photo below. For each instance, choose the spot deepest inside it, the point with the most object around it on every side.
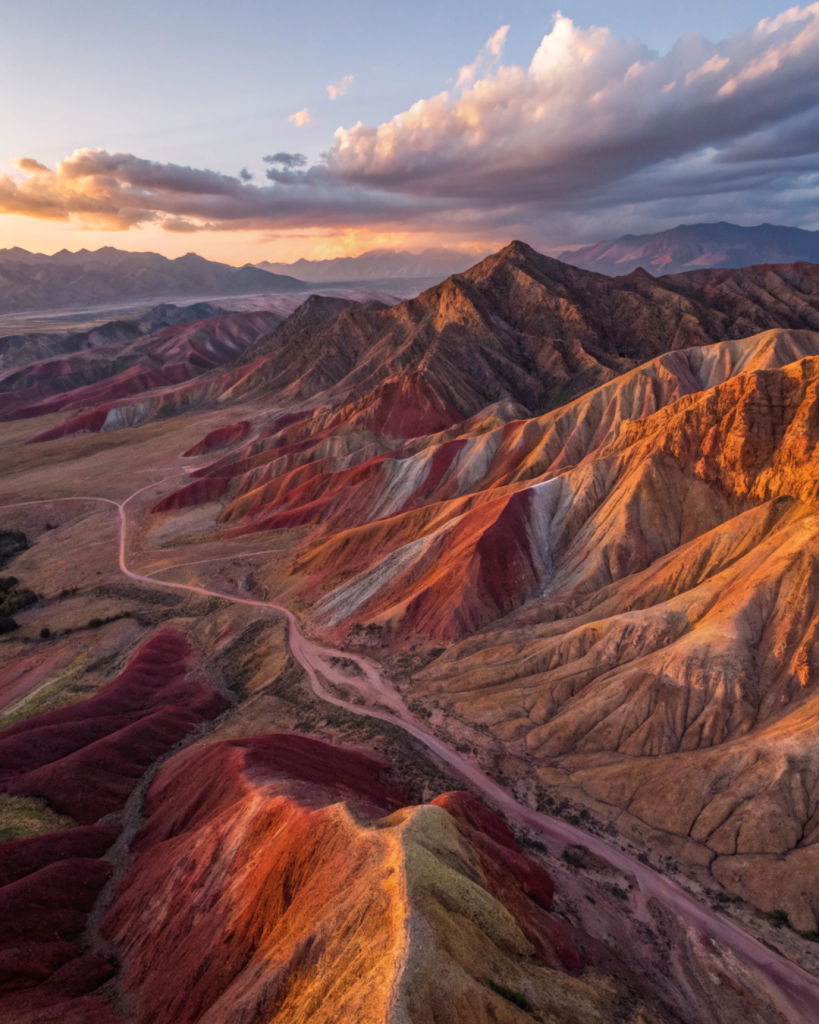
(289, 160)
(590, 111)
(487, 58)
(245, 175)
(340, 88)
(301, 117)
(30, 166)
(179, 225)
(710, 67)
(597, 135)
(117, 191)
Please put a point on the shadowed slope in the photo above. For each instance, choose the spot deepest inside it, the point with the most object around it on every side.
(517, 328)
(536, 331)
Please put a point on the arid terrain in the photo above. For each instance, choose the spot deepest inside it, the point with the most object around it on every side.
(449, 661)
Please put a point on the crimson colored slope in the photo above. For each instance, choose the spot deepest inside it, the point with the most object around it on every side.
(85, 759)
(261, 873)
(48, 884)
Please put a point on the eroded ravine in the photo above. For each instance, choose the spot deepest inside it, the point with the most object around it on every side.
(798, 991)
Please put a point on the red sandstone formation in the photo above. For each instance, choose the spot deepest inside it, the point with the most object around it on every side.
(92, 422)
(219, 438)
(86, 758)
(590, 504)
(278, 878)
(96, 379)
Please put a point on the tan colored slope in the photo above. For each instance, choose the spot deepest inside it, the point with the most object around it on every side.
(683, 687)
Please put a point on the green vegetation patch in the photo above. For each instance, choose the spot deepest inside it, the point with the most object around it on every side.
(24, 816)
(68, 687)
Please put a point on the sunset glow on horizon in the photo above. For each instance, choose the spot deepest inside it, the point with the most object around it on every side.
(235, 248)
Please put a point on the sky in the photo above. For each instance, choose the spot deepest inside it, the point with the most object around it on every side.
(251, 130)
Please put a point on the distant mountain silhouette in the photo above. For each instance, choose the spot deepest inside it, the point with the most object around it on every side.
(33, 281)
(378, 265)
(698, 247)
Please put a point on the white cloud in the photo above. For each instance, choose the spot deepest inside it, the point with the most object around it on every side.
(486, 59)
(580, 116)
(301, 117)
(340, 88)
(597, 135)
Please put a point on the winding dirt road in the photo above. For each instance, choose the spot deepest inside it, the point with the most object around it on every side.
(797, 990)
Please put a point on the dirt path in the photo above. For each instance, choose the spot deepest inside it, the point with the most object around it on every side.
(798, 990)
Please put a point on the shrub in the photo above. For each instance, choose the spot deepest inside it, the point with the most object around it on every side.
(45, 633)
(779, 918)
(95, 623)
(575, 855)
(7, 624)
(16, 600)
(12, 542)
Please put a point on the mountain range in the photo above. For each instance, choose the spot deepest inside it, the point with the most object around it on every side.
(537, 533)
(378, 265)
(698, 246)
(32, 281)
(66, 280)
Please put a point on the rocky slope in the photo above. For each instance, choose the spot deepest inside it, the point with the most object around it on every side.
(575, 516)
(243, 868)
(537, 332)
